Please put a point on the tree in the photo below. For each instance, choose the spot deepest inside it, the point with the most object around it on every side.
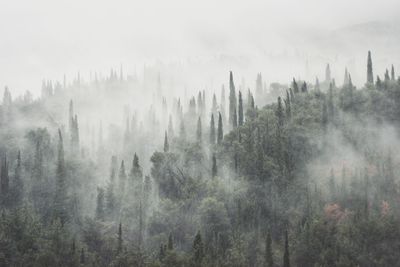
(268, 259)
(198, 251)
(392, 74)
(4, 182)
(170, 242)
(286, 256)
(220, 135)
(170, 127)
(330, 104)
(198, 130)
(212, 130)
(119, 245)
(61, 194)
(327, 73)
(214, 168)
(18, 184)
(122, 178)
(370, 74)
(232, 102)
(182, 132)
(241, 119)
(166, 145)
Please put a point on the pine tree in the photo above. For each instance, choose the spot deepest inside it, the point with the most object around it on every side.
(392, 74)
(214, 107)
(61, 197)
(4, 182)
(346, 77)
(387, 77)
(288, 106)
(18, 184)
(330, 104)
(241, 118)
(295, 86)
(100, 204)
(214, 169)
(166, 145)
(198, 131)
(328, 74)
(232, 102)
(82, 257)
(198, 250)
(212, 130)
(170, 242)
(279, 113)
(304, 88)
(120, 241)
(182, 132)
(370, 74)
(220, 134)
(122, 178)
(268, 259)
(286, 256)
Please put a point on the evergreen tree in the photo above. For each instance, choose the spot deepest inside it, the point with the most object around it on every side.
(268, 259)
(370, 74)
(324, 119)
(198, 130)
(119, 244)
(288, 106)
(214, 169)
(241, 118)
(170, 242)
(328, 74)
(304, 88)
(198, 251)
(82, 257)
(220, 134)
(295, 86)
(279, 113)
(61, 194)
(4, 182)
(214, 107)
(286, 256)
(232, 102)
(18, 184)
(122, 179)
(182, 132)
(317, 86)
(212, 130)
(392, 74)
(387, 77)
(166, 145)
(330, 104)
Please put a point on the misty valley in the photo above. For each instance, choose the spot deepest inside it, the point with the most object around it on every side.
(125, 169)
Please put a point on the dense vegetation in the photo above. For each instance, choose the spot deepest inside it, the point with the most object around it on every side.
(308, 180)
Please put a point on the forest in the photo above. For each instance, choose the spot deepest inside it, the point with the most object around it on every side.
(117, 170)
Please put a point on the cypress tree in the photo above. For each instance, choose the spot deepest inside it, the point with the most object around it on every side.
(295, 86)
(392, 74)
(18, 184)
(268, 258)
(304, 88)
(232, 102)
(370, 74)
(82, 257)
(346, 77)
(198, 130)
(214, 169)
(324, 119)
(220, 135)
(328, 73)
(214, 107)
(198, 250)
(122, 178)
(170, 242)
(61, 197)
(4, 182)
(241, 119)
(331, 108)
(387, 77)
(119, 246)
(279, 113)
(212, 130)
(287, 106)
(286, 256)
(166, 145)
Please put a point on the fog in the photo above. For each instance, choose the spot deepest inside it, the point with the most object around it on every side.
(46, 39)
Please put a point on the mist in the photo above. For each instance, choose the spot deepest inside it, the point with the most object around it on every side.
(200, 134)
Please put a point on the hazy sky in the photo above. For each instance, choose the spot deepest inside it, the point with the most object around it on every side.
(46, 38)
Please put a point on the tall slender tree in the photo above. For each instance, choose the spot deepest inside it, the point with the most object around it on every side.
(61, 194)
(241, 118)
(166, 145)
(370, 74)
(232, 102)
(214, 168)
(198, 130)
(220, 135)
(212, 130)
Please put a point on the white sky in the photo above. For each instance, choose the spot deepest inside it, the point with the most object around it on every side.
(46, 38)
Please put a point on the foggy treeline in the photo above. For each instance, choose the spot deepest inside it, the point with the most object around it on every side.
(121, 170)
